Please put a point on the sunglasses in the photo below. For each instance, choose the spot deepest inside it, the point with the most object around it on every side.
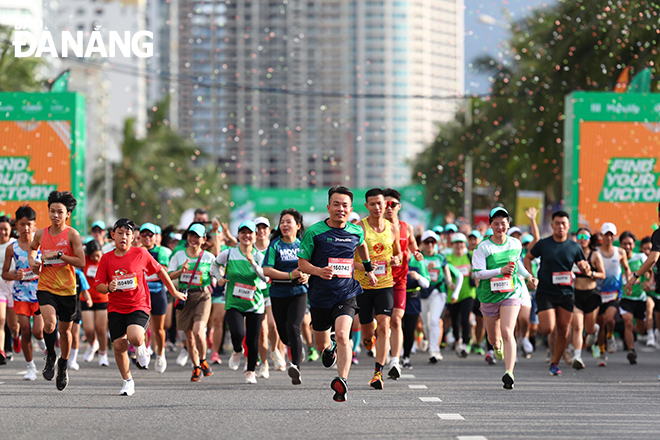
(430, 242)
(392, 204)
(146, 234)
(583, 237)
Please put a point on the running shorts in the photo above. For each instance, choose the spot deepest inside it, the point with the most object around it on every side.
(65, 307)
(375, 301)
(324, 319)
(118, 322)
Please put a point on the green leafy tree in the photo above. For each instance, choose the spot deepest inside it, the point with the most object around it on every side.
(515, 135)
(17, 74)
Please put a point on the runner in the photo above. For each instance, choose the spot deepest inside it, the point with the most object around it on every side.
(122, 274)
(6, 289)
(288, 291)
(496, 264)
(327, 252)
(157, 292)
(408, 246)
(195, 281)
(382, 239)
(652, 310)
(633, 304)
(525, 315)
(614, 260)
(95, 317)
(82, 295)
(244, 304)
(474, 239)
(61, 251)
(418, 279)
(554, 294)
(461, 303)
(587, 295)
(26, 305)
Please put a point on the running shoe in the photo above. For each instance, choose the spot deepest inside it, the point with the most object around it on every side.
(91, 351)
(129, 388)
(435, 357)
(490, 358)
(196, 374)
(206, 368)
(376, 381)
(263, 370)
(62, 379)
(279, 363)
(477, 349)
(461, 350)
(632, 357)
(595, 351)
(235, 360)
(49, 369)
(602, 360)
(294, 374)
(339, 386)
(161, 363)
(405, 362)
(568, 356)
(355, 360)
(507, 379)
(395, 371)
(590, 340)
(3, 358)
(312, 354)
(329, 357)
(103, 360)
(215, 358)
(449, 337)
(31, 373)
(611, 344)
(182, 359)
(650, 341)
(250, 377)
(143, 357)
(42, 344)
(578, 364)
(369, 343)
(499, 352)
(424, 345)
(554, 370)
(9, 356)
(527, 346)
(16, 344)
(73, 364)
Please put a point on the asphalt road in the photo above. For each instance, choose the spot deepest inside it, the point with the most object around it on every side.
(464, 398)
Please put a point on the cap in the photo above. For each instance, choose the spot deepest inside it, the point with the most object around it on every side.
(429, 234)
(495, 211)
(98, 224)
(450, 228)
(608, 227)
(354, 216)
(476, 233)
(513, 230)
(438, 229)
(148, 227)
(87, 239)
(158, 230)
(175, 236)
(459, 236)
(261, 221)
(527, 239)
(489, 232)
(247, 224)
(198, 229)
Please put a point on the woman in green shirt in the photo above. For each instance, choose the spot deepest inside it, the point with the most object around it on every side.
(460, 304)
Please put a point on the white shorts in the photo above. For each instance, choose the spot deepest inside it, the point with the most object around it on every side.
(6, 289)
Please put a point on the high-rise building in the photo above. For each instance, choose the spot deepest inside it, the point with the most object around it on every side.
(317, 92)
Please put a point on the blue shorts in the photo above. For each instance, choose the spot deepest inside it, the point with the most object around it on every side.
(158, 300)
(533, 316)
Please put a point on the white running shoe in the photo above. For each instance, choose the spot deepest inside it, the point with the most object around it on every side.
(103, 360)
(449, 337)
(129, 388)
(143, 357)
(611, 344)
(278, 360)
(73, 364)
(527, 345)
(263, 370)
(182, 359)
(161, 364)
(235, 361)
(650, 341)
(31, 372)
(424, 345)
(91, 350)
(42, 344)
(250, 377)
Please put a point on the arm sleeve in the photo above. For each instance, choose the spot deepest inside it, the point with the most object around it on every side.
(424, 283)
(459, 280)
(256, 267)
(479, 266)
(522, 270)
(221, 260)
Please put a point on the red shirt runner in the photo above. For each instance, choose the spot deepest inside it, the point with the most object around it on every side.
(400, 273)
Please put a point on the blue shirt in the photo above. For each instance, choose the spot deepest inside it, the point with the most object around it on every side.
(283, 256)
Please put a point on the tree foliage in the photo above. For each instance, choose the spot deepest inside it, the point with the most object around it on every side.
(516, 133)
(17, 74)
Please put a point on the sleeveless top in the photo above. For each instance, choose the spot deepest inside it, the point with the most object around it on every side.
(400, 273)
(57, 277)
(26, 289)
(578, 273)
(380, 246)
(610, 287)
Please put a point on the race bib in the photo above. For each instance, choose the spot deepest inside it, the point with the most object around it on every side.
(91, 271)
(186, 276)
(381, 269)
(243, 291)
(343, 267)
(434, 274)
(562, 278)
(53, 262)
(501, 284)
(576, 270)
(28, 275)
(152, 278)
(606, 297)
(464, 270)
(126, 282)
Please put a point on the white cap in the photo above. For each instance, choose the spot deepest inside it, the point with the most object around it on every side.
(458, 236)
(177, 236)
(608, 227)
(513, 230)
(429, 234)
(354, 216)
(261, 221)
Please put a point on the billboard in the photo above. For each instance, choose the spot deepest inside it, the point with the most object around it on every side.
(42, 146)
(611, 151)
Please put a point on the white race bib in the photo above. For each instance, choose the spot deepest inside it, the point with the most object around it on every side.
(54, 262)
(501, 284)
(381, 269)
(434, 274)
(464, 270)
(91, 271)
(606, 297)
(562, 278)
(243, 291)
(576, 270)
(186, 275)
(126, 282)
(342, 267)
(153, 277)
(28, 275)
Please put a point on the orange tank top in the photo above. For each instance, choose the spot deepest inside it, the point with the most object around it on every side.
(57, 277)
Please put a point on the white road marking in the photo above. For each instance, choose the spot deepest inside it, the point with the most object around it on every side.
(407, 376)
(418, 387)
(430, 399)
(451, 417)
(471, 437)
(21, 372)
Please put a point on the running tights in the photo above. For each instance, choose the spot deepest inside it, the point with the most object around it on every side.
(409, 324)
(289, 313)
(246, 324)
(460, 318)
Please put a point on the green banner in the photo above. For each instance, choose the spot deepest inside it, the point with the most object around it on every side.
(631, 180)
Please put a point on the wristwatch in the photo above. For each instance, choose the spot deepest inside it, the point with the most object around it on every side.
(59, 254)
(635, 275)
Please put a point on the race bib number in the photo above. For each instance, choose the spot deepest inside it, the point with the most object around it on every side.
(606, 297)
(243, 291)
(187, 275)
(434, 274)
(501, 284)
(381, 269)
(342, 267)
(91, 271)
(126, 282)
(464, 270)
(53, 262)
(562, 278)
(28, 275)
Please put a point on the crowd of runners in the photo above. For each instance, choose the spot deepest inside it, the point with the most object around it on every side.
(298, 293)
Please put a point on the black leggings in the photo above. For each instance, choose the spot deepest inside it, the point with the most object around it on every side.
(248, 324)
(289, 313)
(409, 324)
(460, 318)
